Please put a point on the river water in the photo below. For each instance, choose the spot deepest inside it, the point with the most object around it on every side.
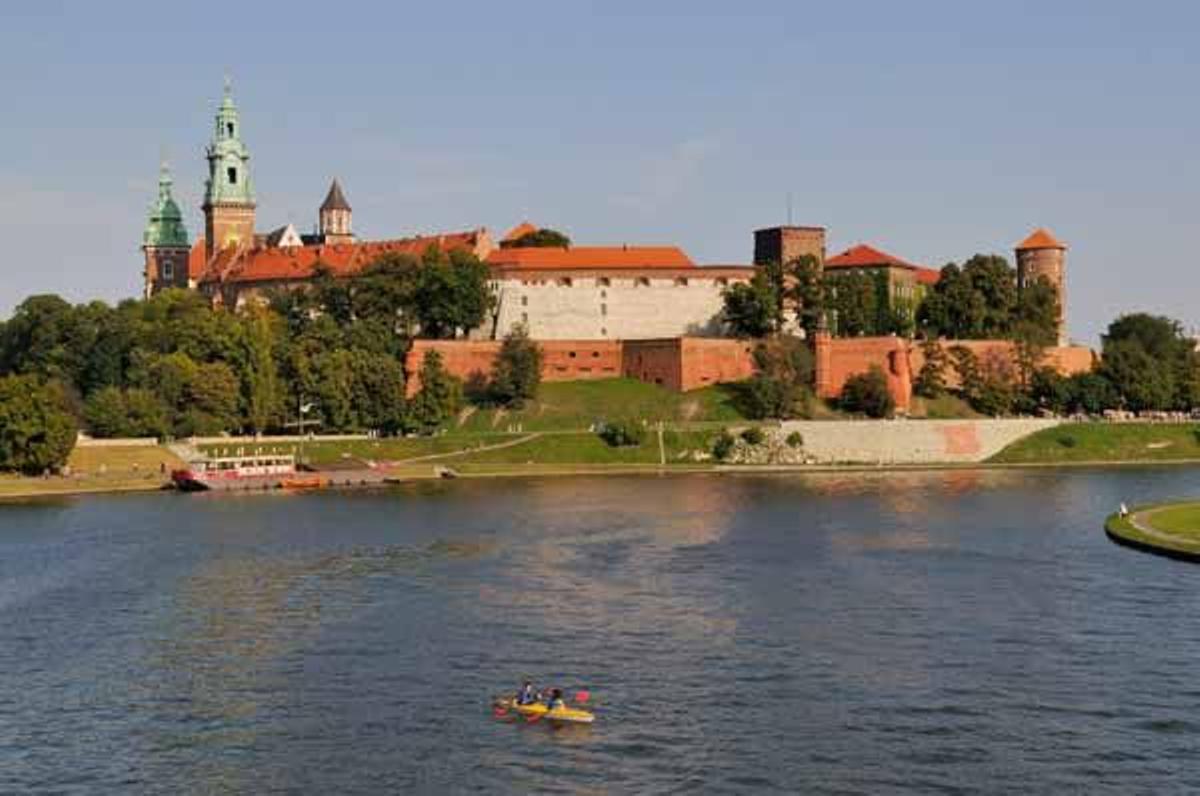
(950, 632)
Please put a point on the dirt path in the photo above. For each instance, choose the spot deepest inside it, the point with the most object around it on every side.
(499, 445)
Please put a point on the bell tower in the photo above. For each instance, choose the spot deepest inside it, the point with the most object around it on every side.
(228, 191)
(334, 221)
(165, 241)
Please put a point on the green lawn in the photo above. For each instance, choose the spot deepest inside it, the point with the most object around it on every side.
(351, 451)
(100, 468)
(944, 407)
(1106, 442)
(577, 405)
(588, 448)
(1176, 526)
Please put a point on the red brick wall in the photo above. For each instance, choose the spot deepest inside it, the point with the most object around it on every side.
(839, 359)
(707, 361)
(654, 362)
(562, 360)
(1067, 360)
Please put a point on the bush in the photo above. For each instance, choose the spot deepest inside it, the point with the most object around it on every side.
(795, 440)
(723, 445)
(1067, 441)
(868, 393)
(625, 434)
(754, 436)
(518, 370)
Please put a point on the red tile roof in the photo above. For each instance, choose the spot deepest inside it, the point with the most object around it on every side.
(263, 264)
(590, 257)
(519, 231)
(196, 260)
(929, 276)
(862, 256)
(1040, 239)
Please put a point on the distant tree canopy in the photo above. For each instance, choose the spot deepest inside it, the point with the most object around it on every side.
(1150, 363)
(541, 238)
(980, 301)
(173, 365)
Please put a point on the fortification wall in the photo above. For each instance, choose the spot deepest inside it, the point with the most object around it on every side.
(561, 307)
(704, 362)
(840, 358)
(562, 360)
(1067, 360)
(910, 441)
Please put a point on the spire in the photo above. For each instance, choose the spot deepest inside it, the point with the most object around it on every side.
(335, 199)
(164, 227)
(228, 158)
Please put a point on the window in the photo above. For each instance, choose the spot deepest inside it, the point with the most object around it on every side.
(603, 332)
(681, 281)
(229, 129)
(231, 172)
(603, 309)
(168, 270)
(641, 281)
(564, 282)
(524, 301)
(603, 294)
(603, 282)
(595, 355)
(525, 317)
(571, 355)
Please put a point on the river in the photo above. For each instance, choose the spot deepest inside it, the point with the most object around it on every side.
(952, 632)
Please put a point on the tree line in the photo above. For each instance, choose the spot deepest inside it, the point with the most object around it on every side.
(978, 300)
(328, 355)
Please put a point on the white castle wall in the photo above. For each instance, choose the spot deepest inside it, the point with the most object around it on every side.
(910, 441)
(613, 308)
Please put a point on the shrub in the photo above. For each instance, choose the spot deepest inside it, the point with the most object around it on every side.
(868, 393)
(753, 436)
(795, 440)
(1067, 441)
(723, 445)
(518, 370)
(623, 434)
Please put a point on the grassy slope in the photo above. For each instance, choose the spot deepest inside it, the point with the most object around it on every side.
(1106, 442)
(576, 405)
(100, 469)
(357, 451)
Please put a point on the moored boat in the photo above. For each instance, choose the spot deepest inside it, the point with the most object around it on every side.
(261, 471)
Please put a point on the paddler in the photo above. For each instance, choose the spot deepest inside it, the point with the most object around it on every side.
(527, 695)
(556, 700)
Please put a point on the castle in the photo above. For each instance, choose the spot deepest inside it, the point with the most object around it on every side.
(648, 312)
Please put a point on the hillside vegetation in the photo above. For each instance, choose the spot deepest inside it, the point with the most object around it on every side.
(1105, 442)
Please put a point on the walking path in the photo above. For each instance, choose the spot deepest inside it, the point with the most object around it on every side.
(499, 445)
(1138, 530)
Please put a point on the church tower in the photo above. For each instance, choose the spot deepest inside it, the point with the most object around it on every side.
(165, 241)
(228, 192)
(334, 225)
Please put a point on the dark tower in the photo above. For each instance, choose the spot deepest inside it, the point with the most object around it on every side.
(784, 244)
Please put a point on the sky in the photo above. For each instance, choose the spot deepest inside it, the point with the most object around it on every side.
(932, 130)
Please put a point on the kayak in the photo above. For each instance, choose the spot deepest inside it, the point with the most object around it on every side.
(576, 715)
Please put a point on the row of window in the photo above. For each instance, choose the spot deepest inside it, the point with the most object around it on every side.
(641, 281)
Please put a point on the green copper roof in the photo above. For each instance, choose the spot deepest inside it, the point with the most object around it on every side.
(228, 159)
(165, 225)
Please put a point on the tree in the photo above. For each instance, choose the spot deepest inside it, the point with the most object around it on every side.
(782, 383)
(976, 301)
(1037, 310)
(808, 292)
(751, 310)
(517, 371)
(112, 412)
(542, 238)
(855, 299)
(261, 389)
(868, 393)
(37, 433)
(451, 292)
(439, 398)
(1144, 382)
(931, 379)
(1091, 393)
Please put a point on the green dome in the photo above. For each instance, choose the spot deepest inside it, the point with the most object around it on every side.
(165, 225)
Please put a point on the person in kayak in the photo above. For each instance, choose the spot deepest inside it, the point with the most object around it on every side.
(556, 700)
(527, 695)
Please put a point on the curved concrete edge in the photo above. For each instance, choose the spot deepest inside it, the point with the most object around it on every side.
(1121, 531)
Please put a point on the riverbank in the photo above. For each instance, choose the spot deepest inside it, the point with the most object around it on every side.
(679, 449)
(1167, 529)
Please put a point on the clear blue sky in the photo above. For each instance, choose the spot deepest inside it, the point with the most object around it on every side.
(930, 129)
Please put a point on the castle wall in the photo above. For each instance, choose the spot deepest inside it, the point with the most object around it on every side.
(838, 359)
(566, 306)
(1067, 360)
(675, 363)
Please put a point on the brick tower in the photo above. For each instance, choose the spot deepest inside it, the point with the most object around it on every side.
(165, 241)
(334, 221)
(229, 191)
(784, 244)
(1042, 256)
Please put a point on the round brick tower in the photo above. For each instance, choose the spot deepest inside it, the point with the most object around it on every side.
(1042, 256)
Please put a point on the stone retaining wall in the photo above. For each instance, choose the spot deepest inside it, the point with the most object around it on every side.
(910, 441)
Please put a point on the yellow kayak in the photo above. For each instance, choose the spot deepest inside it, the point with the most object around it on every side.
(577, 715)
